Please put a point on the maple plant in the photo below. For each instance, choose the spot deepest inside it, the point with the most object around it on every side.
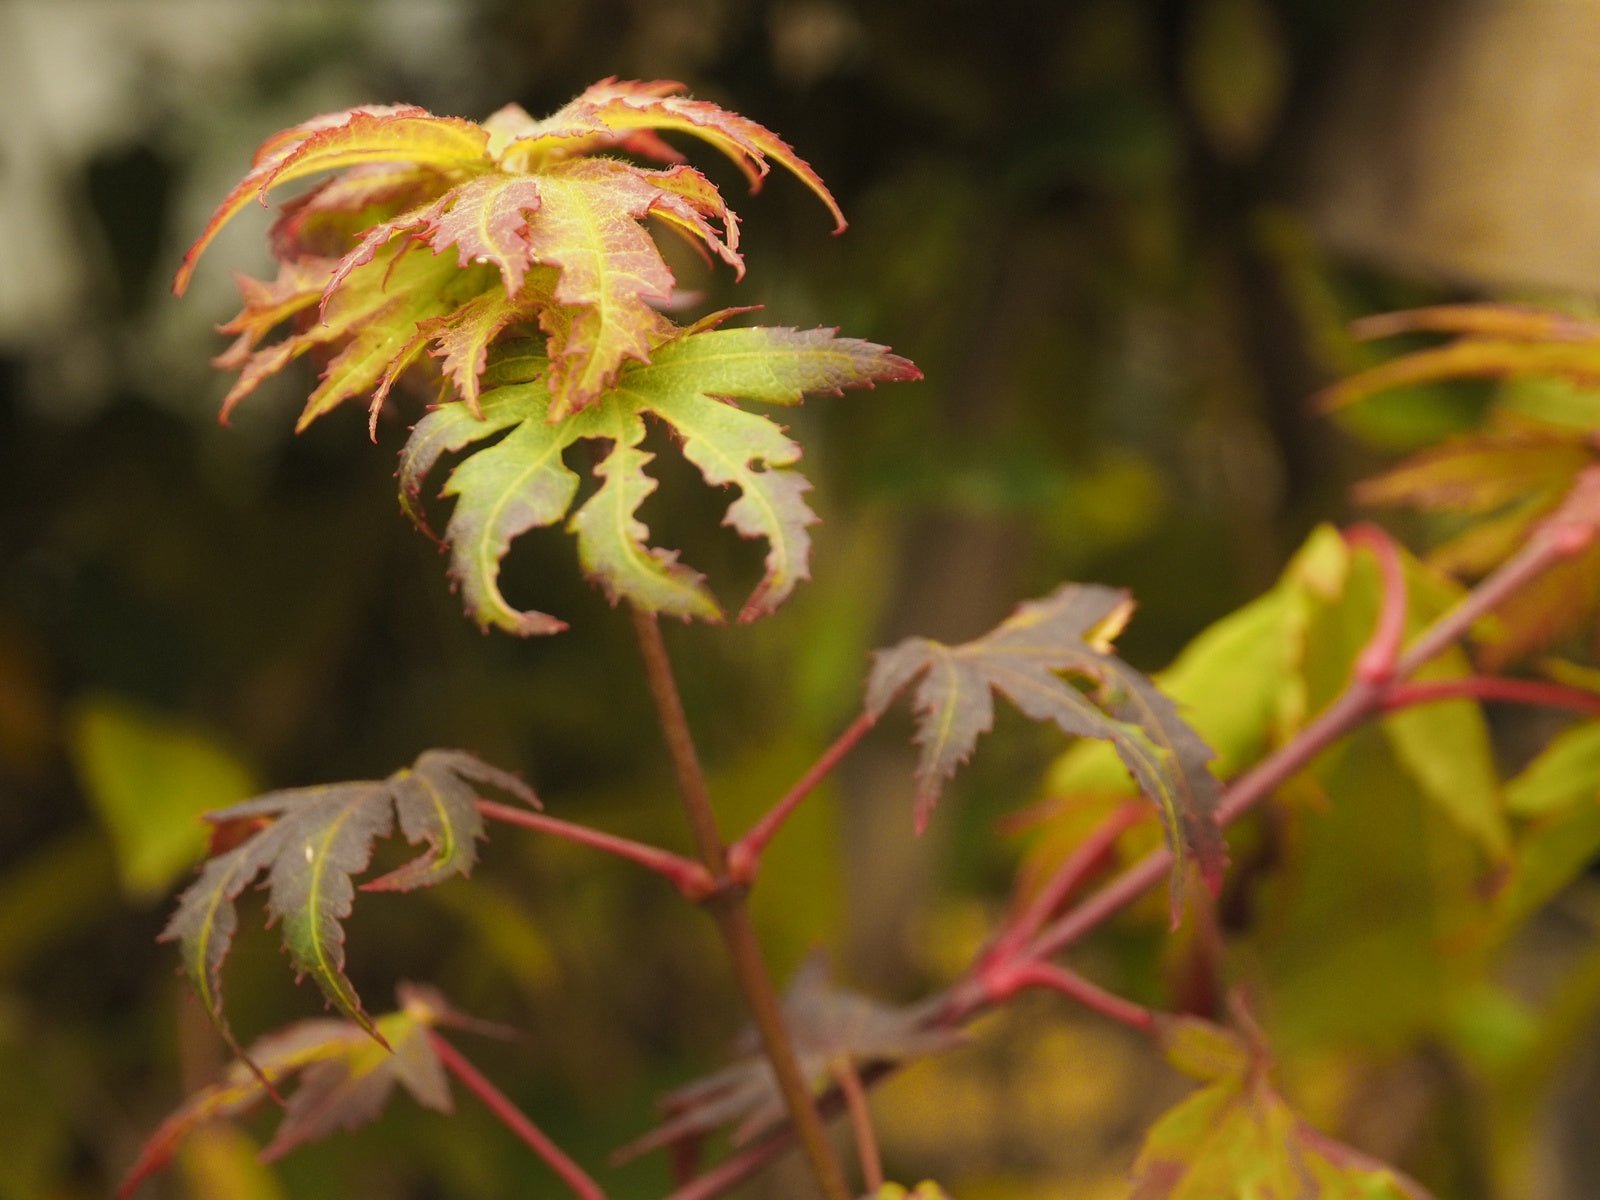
(509, 273)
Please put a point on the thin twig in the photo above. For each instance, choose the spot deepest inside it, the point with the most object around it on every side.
(727, 905)
(848, 1081)
(1076, 867)
(1491, 687)
(1376, 662)
(1032, 973)
(689, 877)
(744, 856)
(514, 1119)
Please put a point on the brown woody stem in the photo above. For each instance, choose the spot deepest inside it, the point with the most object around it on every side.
(727, 905)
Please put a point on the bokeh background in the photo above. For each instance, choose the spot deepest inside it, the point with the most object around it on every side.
(1122, 238)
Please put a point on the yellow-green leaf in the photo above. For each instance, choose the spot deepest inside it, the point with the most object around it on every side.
(151, 778)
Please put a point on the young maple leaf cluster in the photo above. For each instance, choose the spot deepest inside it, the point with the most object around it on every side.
(511, 262)
(1505, 477)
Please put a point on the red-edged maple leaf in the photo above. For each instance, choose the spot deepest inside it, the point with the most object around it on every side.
(1068, 633)
(831, 1027)
(515, 194)
(522, 481)
(313, 840)
(373, 134)
(345, 1079)
(623, 115)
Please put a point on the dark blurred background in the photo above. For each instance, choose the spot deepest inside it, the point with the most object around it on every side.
(1122, 239)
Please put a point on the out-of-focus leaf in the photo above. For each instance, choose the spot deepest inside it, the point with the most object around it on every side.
(1367, 957)
(150, 779)
(1558, 796)
(1023, 658)
(219, 1160)
(1444, 747)
(1557, 604)
(39, 1133)
(345, 1078)
(1338, 975)
(1236, 72)
(1509, 474)
(1492, 340)
(312, 841)
(1203, 1049)
(829, 1025)
(1491, 1029)
(62, 886)
(1565, 775)
(1236, 1137)
(1511, 460)
(926, 1190)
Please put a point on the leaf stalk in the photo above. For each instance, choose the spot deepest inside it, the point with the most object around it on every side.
(514, 1119)
(744, 856)
(691, 879)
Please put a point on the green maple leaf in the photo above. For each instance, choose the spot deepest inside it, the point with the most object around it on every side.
(345, 1080)
(522, 481)
(310, 842)
(512, 198)
(1025, 658)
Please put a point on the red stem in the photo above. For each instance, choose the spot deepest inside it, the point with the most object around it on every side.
(514, 1119)
(1376, 662)
(855, 1102)
(1491, 687)
(738, 1167)
(1007, 982)
(688, 876)
(744, 856)
(1083, 860)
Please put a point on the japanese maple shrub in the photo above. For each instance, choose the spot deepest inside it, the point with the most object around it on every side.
(511, 271)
